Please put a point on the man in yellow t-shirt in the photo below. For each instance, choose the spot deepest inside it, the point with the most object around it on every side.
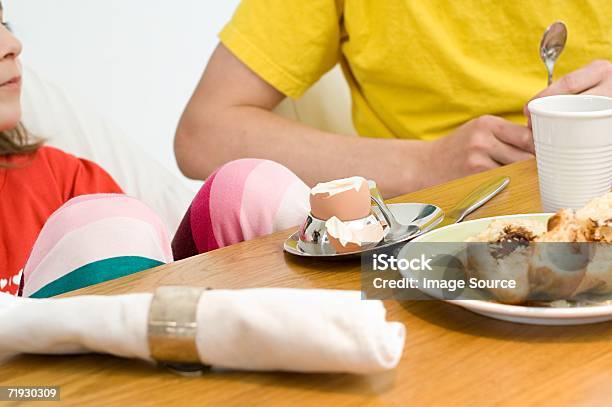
(438, 87)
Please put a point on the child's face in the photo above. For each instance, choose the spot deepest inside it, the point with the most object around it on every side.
(10, 78)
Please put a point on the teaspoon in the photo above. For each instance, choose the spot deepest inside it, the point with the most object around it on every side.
(551, 46)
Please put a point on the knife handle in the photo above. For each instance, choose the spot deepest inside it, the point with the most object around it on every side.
(475, 200)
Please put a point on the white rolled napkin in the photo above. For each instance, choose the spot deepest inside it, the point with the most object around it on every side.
(253, 329)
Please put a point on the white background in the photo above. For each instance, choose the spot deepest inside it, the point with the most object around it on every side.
(134, 61)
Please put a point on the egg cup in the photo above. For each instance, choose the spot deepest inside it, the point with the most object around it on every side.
(314, 237)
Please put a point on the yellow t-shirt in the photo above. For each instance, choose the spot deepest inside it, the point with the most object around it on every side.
(417, 68)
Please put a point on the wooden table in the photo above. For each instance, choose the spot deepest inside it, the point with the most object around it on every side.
(452, 357)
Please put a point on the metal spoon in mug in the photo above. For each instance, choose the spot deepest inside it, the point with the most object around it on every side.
(551, 46)
(474, 200)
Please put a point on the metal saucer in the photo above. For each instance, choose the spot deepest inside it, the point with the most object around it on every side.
(425, 216)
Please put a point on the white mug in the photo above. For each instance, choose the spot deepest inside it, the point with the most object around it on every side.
(573, 142)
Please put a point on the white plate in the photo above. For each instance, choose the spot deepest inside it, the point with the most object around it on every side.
(513, 313)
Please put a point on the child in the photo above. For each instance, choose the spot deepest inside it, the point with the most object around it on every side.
(65, 223)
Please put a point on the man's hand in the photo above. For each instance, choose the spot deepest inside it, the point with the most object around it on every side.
(481, 144)
(593, 79)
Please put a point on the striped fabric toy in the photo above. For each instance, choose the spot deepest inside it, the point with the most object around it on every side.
(91, 239)
(96, 238)
(242, 200)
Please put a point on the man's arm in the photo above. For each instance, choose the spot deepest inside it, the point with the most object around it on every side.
(230, 116)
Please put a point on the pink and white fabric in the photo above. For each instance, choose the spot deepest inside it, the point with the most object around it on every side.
(94, 238)
(242, 200)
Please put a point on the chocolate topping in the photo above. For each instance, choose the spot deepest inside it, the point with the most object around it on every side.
(600, 231)
(517, 234)
(511, 239)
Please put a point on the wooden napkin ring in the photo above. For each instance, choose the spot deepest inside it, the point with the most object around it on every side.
(172, 326)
